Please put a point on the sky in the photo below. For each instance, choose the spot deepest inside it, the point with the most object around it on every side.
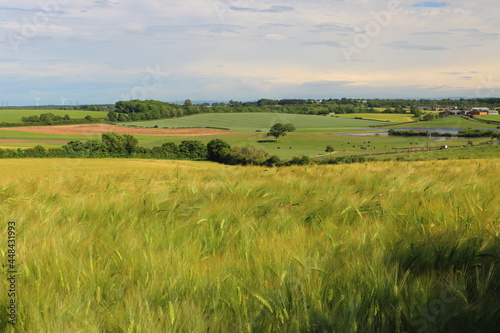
(103, 51)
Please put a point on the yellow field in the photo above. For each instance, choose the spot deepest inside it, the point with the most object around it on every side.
(126, 245)
(394, 118)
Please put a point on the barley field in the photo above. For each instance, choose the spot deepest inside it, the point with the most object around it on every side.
(115, 245)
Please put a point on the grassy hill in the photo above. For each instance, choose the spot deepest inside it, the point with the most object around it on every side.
(250, 122)
(162, 246)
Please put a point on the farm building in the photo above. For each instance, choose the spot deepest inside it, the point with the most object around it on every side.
(452, 112)
(478, 113)
(493, 112)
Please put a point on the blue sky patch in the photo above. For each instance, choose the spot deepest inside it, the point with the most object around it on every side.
(430, 4)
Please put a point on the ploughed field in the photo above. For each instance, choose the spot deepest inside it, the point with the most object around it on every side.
(130, 245)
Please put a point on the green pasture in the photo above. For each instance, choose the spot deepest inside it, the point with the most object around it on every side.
(293, 144)
(251, 122)
(490, 117)
(14, 116)
(459, 152)
(386, 117)
(314, 144)
(127, 245)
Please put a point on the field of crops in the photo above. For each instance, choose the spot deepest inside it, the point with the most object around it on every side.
(387, 117)
(14, 116)
(250, 122)
(163, 246)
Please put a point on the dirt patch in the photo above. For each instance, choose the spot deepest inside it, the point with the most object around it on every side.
(93, 129)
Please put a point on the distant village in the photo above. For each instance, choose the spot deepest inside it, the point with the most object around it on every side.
(457, 112)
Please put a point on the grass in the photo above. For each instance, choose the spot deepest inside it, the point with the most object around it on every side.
(490, 117)
(387, 117)
(484, 151)
(314, 144)
(250, 122)
(301, 143)
(163, 246)
(14, 116)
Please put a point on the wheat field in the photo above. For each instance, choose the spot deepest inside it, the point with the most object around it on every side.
(123, 245)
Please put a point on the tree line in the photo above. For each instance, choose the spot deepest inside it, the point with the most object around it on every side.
(464, 133)
(50, 119)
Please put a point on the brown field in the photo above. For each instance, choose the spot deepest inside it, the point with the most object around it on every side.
(97, 129)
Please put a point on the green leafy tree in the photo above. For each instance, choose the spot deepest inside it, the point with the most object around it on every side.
(278, 130)
(329, 149)
(218, 150)
(193, 149)
(248, 155)
(112, 116)
(120, 145)
(415, 110)
(428, 116)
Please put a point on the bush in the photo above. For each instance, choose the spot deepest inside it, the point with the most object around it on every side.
(272, 161)
(218, 150)
(302, 160)
(247, 155)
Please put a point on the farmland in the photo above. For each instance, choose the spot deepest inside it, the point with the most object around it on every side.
(149, 245)
(251, 122)
(387, 117)
(14, 115)
(313, 134)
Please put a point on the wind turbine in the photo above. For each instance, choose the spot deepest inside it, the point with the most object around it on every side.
(62, 100)
(37, 99)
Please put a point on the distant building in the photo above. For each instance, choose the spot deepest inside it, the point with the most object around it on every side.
(478, 113)
(480, 109)
(451, 112)
(493, 112)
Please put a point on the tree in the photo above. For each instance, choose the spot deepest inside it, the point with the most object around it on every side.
(428, 116)
(119, 145)
(329, 149)
(218, 150)
(193, 149)
(248, 155)
(112, 116)
(278, 130)
(415, 110)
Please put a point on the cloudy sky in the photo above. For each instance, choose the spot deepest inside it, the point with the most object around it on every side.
(103, 51)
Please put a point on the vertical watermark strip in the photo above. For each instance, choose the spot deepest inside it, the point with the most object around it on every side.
(11, 272)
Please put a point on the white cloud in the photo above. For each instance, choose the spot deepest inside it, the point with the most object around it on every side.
(224, 47)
